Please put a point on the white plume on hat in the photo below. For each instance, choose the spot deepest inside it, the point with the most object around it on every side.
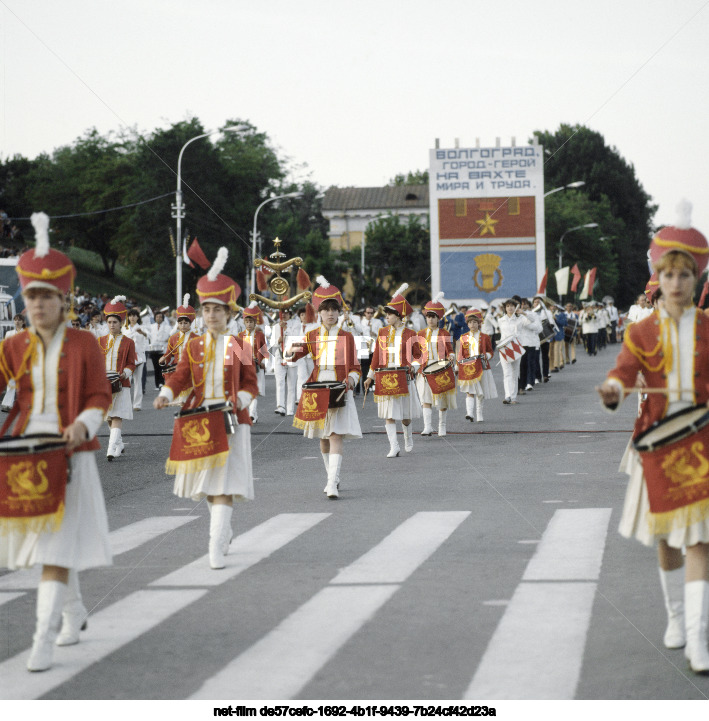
(118, 299)
(402, 288)
(40, 223)
(218, 265)
(322, 281)
(439, 297)
(684, 215)
(186, 300)
(253, 304)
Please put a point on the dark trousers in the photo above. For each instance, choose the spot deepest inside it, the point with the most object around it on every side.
(155, 356)
(365, 363)
(614, 328)
(528, 367)
(145, 376)
(545, 359)
(591, 339)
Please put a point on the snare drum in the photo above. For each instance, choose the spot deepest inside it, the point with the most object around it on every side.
(115, 380)
(471, 369)
(199, 438)
(200, 412)
(391, 382)
(166, 370)
(34, 471)
(338, 392)
(440, 376)
(570, 328)
(675, 456)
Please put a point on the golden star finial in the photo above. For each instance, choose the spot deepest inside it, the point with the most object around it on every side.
(487, 224)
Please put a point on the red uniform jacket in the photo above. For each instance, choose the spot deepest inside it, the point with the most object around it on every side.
(81, 382)
(484, 346)
(444, 343)
(174, 344)
(238, 375)
(410, 348)
(127, 357)
(642, 351)
(259, 345)
(345, 354)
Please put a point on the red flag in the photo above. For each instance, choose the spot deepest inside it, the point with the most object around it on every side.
(196, 254)
(703, 296)
(577, 277)
(543, 284)
(591, 281)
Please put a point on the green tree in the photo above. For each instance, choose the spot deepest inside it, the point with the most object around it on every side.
(398, 249)
(415, 177)
(578, 153)
(584, 246)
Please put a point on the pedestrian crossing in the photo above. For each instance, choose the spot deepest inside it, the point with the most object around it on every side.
(558, 587)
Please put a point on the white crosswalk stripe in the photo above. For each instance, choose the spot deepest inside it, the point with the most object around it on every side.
(283, 661)
(126, 620)
(537, 649)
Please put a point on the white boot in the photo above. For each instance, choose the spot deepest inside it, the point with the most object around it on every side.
(219, 529)
(442, 423)
(50, 599)
(333, 473)
(112, 450)
(408, 438)
(479, 410)
(696, 614)
(469, 407)
(120, 447)
(74, 612)
(253, 410)
(326, 461)
(427, 427)
(394, 448)
(672, 583)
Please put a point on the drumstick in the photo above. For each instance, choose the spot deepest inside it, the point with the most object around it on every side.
(364, 400)
(666, 391)
(337, 400)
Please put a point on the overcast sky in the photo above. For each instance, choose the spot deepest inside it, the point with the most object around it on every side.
(359, 91)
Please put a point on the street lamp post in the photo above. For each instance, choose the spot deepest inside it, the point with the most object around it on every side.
(578, 227)
(575, 184)
(178, 209)
(252, 283)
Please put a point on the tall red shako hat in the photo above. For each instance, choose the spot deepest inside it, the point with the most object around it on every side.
(399, 304)
(326, 291)
(215, 287)
(681, 237)
(435, 305)
(473, 313)
(186, 310)
(253, 311)
(652, 285)
(44, 267)
(116, 308)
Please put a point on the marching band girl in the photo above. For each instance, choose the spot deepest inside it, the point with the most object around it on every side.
(436, 344)
(397, 347)
(119, 351)
(61, 388)
(510, 325)
(177, 342)
(254, 341)
(476, 343)
(140, 339)
(335, 360)
(671, 350)
(212, 365)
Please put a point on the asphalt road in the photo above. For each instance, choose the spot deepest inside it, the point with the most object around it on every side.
(485, 564)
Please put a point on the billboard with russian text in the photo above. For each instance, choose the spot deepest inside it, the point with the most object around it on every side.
(487, 221)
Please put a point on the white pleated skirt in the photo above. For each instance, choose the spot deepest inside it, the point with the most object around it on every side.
(636, 511)
(235, 478)
(342, 421)
(485, 387)
(122, 405)
(399, 409)
(442, 403)
(82, 539)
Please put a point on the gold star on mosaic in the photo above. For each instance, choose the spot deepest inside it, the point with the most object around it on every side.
(487, 224)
